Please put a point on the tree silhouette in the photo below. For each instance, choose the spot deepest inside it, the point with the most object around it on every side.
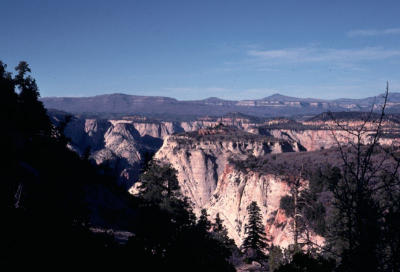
(220, 233)
(218, 224)
(255, 241)
(363, 224)
(32, 111)
(203, 223)
(159, 182)
(56, 205)
(169, 236)
(306, 263)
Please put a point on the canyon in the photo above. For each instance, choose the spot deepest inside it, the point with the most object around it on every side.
(202, 152)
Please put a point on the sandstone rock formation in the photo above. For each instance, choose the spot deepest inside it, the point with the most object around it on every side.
(123, 143)
(211, 182)
(201, 150)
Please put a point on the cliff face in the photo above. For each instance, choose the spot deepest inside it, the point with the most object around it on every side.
(123, 144)
(200, 162)
(201, 156)
(236, 190)
(211, 182)
(313, 140)
(120, 144)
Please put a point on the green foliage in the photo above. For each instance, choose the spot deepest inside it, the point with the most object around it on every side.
(275, 258)
(287, 205)
(315, 216)
(290, 251)
(314, 201)
(255, 241)
(159, 183)
(319, 197)
(323, 179)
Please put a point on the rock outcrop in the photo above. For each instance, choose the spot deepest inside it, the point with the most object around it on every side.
(236, 190)
(200, 164)
(201, 151)
(206, 176)
(120, 144)
(123, 143)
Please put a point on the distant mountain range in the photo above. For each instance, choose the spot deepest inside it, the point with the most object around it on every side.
(116, 105)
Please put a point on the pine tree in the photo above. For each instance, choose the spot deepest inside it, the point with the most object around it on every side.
(255, 241)
(160, 189)
(159, 182)
(220, 233)
(203, 223)
(218, 226)
(32, 111)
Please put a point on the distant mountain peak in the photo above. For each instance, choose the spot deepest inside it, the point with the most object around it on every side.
(213, 99)
(280, 97)
(112, 95)
(165, 107)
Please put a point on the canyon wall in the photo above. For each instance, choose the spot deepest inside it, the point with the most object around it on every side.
(210, 181)
(201, 151)
(125, 144)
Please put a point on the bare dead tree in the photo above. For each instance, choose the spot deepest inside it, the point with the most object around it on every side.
(364, 199)
(296, 181)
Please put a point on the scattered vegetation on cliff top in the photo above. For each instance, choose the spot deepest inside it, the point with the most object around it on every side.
(222, 133)
(282, 163)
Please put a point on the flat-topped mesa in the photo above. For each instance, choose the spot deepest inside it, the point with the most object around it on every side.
(218, 129)
(232, 138)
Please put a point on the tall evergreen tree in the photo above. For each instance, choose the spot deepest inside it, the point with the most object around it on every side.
(203, 223)
(218, 225)
(159, 182)
(255, 242)
(32, 111)
(168, 236)
(220, 233)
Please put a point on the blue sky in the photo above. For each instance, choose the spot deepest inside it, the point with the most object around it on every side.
(196, 49)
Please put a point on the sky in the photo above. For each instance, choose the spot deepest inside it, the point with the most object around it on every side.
(233, 49)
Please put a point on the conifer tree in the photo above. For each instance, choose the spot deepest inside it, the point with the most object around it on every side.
(255, 241)
(159, 182)
(221, 233)
(203, 223)
(218, 226)
(32, 111)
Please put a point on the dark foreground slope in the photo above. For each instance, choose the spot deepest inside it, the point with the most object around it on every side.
(52, 199)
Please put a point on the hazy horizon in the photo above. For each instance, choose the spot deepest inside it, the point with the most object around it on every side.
(204, 98)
